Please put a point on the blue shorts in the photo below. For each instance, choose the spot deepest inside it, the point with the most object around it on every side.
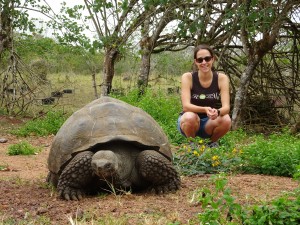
(201, 132)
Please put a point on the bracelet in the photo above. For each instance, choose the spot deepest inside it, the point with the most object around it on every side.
(219, 112)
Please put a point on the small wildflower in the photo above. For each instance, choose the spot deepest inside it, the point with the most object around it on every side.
(215, 158)
(200, 141)
(234, 150)
(196, 153)
(202, 148)
(216, 163)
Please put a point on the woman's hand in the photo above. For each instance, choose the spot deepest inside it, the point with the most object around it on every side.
(212, 113)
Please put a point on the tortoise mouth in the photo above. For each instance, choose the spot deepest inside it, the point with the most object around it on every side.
(104, 168)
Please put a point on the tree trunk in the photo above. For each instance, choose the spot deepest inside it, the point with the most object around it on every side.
(146, 45)
(109, 70)
(241, 94)
(145, 65)
(5, 28)
(95, 84)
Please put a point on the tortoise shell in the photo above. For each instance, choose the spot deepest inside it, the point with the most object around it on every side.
(103, 120)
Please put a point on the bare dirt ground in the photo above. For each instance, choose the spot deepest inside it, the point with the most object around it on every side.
(25, 196)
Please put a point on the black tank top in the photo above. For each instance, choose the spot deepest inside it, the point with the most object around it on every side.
(201, 96)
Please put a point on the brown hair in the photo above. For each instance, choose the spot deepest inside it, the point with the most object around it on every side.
(203, 46)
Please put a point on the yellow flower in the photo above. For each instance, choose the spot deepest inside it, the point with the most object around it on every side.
(234, 150)
(216, 163)
(196, 153)
(202, 148)
(200, 141)
(215, 158)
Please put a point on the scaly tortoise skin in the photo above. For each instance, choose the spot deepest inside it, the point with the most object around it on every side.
(109, 142)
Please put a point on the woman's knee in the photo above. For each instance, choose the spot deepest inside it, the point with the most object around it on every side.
(226, 121)
(189, 119)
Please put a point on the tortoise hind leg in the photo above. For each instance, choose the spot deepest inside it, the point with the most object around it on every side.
(158, 170)
(76, 176)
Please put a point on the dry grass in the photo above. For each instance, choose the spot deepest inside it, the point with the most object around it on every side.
(83, 91)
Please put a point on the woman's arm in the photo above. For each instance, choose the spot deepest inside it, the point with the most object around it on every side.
(225, 95)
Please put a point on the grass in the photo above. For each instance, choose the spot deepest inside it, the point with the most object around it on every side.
(49, 124)
(22, 148)
(3, 167)
(83, 91)
(90, 218)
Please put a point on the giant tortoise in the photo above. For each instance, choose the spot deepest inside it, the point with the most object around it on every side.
(109, 143)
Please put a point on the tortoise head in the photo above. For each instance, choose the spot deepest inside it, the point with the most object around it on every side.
(105, 164)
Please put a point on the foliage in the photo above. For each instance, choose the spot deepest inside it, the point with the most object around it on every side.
(22, 148)
(60, 57)
(162, 107)
(50, 124)
(284, 210)
(195, 157)
(217, 203)
(279, 154)
(297, 174)
(219, 207)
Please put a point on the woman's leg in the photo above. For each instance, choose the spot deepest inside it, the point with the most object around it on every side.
(218, 127)
(189, 124)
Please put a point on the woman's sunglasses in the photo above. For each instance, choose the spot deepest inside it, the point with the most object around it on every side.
(206, 58)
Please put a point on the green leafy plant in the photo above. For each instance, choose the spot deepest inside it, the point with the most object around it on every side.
(278, 154)
(219, 207)
(284, 210)
(47, 125)
(297, 173)
(22, 148)
(194, 157)
(218, 204)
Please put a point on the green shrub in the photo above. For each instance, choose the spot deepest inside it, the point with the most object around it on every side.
(50, 124)
(22, 148)
(279, 154)
(297, 173)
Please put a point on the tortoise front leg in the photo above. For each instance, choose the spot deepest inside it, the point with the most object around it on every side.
(158, 170)
(76, 176)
